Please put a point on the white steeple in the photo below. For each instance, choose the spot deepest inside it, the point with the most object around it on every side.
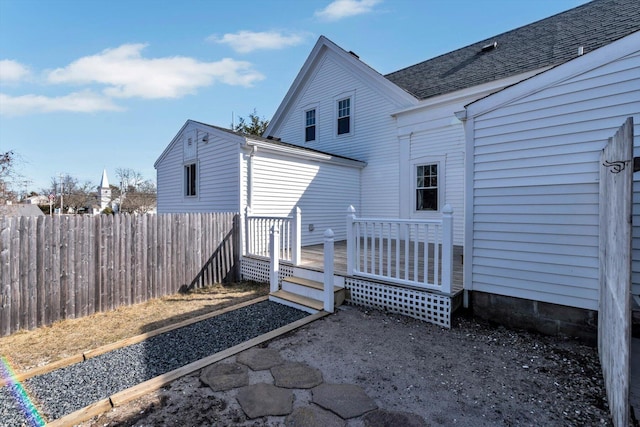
(104, 183)
(104, 191)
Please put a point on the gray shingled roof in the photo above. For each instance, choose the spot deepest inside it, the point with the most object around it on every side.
(548, 42)
(20, 210)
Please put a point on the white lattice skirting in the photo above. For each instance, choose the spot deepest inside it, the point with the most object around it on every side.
(258, 270)
(422, 305)
(414, 303)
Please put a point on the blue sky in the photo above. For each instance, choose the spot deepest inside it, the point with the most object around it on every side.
(89, 85)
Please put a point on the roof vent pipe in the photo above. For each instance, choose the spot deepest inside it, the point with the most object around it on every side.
(580, 50)
(489, 46)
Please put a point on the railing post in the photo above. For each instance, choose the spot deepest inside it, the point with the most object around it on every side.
(296, 236)
(351, 243)
(328, 271)
(447, 248)
(274, 256)
(246, 234)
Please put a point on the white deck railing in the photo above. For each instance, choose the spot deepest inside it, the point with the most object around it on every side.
(258, 228)
(410, 252)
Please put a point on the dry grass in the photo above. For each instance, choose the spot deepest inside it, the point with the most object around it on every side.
(28, 349)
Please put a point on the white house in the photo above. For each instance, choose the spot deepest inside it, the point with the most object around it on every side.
(398, 147)
(532, 183)
(209, 169)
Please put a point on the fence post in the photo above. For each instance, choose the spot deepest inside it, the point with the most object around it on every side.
(351, 243)
(328, 271)
(447, 248)
(274, 255)
(296, 237)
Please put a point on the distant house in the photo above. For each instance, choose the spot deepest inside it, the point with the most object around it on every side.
(36, 200)
(443, 132)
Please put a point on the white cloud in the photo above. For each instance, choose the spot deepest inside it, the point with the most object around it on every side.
(12, 71)
(127, 74)
(339, 9)
(248, 41)
(81, 102)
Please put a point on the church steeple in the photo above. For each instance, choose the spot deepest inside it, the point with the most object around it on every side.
(104, 182)
(104, 191)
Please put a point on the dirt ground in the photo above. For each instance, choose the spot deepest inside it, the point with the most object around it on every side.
(470, 375)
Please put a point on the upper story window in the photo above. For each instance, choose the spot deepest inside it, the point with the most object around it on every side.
(344, 116)
(310, 125)
(190, 179)
(427, 187)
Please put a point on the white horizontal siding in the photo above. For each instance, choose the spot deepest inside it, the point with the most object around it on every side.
(322, 191)
(373, 137)
(441, 142)
(535, 186)
(217, 168)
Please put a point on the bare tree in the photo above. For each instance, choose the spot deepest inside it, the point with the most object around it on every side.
(7, 175)
(137, 195)
(73, 194)
(140, 200)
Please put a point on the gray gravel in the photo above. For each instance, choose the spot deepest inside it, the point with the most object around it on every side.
(66, 390)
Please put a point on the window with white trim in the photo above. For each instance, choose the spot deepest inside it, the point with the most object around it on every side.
(344, 116)
(190, 180)
(310, 125)
(426, 196)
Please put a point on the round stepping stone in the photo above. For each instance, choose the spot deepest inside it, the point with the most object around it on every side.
(382, 418)
(312, 416)
(261, 400)
(296, 375)
(225, 376)
(346, 400)
(259, 359)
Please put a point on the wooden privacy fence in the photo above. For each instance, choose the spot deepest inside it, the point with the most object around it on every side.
(53, 268)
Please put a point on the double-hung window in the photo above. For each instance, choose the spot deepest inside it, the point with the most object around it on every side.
(344, 116)
(427, 187)
(190, 179)
(310, 125)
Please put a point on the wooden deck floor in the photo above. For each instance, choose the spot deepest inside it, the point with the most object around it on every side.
(313, 257)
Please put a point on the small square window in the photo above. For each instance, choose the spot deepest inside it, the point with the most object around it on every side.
(427, 187)
(344, 116)
(310, 126)
(190, 179)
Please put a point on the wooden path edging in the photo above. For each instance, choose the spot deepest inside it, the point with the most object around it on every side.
(40, 370)
(132, 393)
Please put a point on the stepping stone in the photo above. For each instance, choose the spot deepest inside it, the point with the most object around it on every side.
(346, 400)
(261, 400)
(225, 376)
(259, 359)
(382, 418)
(312, 416)
(296, 375)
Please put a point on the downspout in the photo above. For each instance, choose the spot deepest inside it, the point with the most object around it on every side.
(250, 177)
(467, 285)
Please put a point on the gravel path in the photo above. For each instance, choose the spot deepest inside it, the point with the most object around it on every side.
(66, 390)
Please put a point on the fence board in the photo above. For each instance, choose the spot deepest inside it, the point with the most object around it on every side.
(53, 268)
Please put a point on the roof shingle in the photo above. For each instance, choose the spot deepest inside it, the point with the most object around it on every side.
(544, 43)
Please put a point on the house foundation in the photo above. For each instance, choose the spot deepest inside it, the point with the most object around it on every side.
(545, 318)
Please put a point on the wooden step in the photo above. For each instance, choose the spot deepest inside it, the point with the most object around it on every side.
(316, 287)
(297, 301)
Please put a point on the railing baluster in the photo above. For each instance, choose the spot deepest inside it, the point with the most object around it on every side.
(380, 249)
(427, 229)
(436, 255)
(365, 249)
